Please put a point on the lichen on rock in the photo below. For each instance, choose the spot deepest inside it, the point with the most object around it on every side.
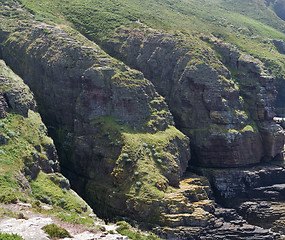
(221, 112)
(111, 113)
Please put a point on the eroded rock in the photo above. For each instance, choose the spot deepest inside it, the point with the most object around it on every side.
(229, 125)
(115, 132)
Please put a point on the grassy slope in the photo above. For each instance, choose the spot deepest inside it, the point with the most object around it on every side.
(247, 24)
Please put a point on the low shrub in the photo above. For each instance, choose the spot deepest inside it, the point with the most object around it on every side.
(55, 231)
(7, 236)
(127, 230)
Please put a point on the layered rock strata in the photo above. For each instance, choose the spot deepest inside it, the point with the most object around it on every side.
(229, 121)
(258, 90)
(257, 193)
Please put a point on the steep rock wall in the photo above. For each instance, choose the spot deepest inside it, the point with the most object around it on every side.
(124, 154)
(28, 157)
(16, 96)
(279, 7)
(115, 131)
(259, 92)
(229, 122)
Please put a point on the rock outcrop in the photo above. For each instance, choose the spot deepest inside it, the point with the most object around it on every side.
(258, 90)
(257, 193)
(116, 136)
(234, 185)
(266, 214)
(228, 118)
(280, 45)
(15, 95)
(115, 133)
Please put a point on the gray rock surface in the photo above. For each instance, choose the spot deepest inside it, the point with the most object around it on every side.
(31, 229)
(227, 225)
(248, 183)
(15, 93)
(28, 229)
(280, 45)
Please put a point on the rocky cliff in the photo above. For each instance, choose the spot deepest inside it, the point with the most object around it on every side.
(279, 7)
(29, 167)
(17, 104)
(225, 106)
(115, 127)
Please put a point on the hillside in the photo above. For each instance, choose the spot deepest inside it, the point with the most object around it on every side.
(249, 25)
(160, 113)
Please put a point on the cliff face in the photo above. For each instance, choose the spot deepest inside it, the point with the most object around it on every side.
(257, 88)
(279, 7)
(29, 167)
(112, 125)
(16, 99)
(228, 116)
(115, 131)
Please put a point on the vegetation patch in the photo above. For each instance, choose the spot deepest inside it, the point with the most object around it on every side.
(240, 25)
(23, 135)
(48, 192)
(74, 218)
(8, 193)
(126, 229)
(149, 160)
(247, 128)
(55, 231)
(7, 236)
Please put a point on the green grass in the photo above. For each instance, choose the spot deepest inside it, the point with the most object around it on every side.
(23, 134)
(7, 236)
(55, 231)
(139, 163)
(74, 218)
(99, 17)
(47, 191)
(142, 153)
(8, 186)
(247, 25)
(127, 230)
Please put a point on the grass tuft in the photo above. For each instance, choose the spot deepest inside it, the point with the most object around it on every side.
(7, 236)
(126, 229)
(55, 231)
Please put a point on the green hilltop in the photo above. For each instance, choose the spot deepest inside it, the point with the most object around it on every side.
(249, 25)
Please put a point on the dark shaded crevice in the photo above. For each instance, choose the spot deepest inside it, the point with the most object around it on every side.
(279, 8)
